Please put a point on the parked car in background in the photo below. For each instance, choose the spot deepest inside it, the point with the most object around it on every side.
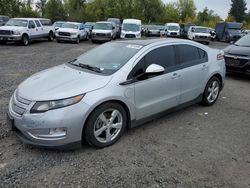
(162, 30)
(131, 28)
(103, 31)
(118, 25)
(121, 84)
(88, 26)
(172, 30)
(71, 31)
(3, 20)
(26, 29)
(153, 30)
(246, 31)
(184, 30)
(237, 56)
(228, 31)
(199, 34)
(58, 25)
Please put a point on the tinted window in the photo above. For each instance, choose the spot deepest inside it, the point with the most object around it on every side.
(191, 55)
(164, 56)
(37, 23)
(31, 24)
(46, 22)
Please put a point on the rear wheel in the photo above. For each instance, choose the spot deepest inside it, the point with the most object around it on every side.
(105, 125)
(212, 91)
(25, 40)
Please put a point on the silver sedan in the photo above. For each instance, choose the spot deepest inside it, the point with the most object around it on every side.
(117, 85)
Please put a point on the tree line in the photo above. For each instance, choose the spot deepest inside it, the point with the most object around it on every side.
(149, 11)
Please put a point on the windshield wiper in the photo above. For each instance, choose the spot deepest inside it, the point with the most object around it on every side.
(89, 67)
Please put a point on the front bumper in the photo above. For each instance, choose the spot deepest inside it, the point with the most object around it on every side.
(29, 127)
(65, 38)
(10, 38)
(201, 39)
(101, 38)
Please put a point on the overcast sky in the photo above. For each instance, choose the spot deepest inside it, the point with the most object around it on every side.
(220, 7)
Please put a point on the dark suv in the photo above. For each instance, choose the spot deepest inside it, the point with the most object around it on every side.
(3, 20)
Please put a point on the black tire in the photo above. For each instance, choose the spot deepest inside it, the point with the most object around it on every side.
(51, 36)
(87, 37)
(93, 41)
(207, 43)
(58, 41)
(206, 93)
(93, 118)
(25, 40)
(78, 40)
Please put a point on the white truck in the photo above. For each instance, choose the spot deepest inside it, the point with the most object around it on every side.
(26, 29)
(131, 28)
(71, 31)
(199, 34)
(103, 31)
(172, 30)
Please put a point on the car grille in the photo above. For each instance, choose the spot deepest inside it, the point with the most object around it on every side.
(236, 62)
(173, 34)
(100, 34)
(18, 104)
(64, 34)
(201, 37)
(129, 36)
(5, 32)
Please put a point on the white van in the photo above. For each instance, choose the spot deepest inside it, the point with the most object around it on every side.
(131, 28)
(172, 30)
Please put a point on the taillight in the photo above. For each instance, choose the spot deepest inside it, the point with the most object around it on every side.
(220, 56)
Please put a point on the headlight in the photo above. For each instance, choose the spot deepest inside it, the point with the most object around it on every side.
(16, 32)
(44, 106)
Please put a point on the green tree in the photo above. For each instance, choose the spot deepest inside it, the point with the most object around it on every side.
(26, 10)
(172, 13)
(75, 10)
(187, 10)
(238, 10)
(207, 18)
(10, 8)
(55, 10)
(40, 5)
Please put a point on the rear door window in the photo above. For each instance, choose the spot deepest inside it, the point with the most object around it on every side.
(38, 23)
(189, 55)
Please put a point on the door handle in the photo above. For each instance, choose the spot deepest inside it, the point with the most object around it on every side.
(175, 76)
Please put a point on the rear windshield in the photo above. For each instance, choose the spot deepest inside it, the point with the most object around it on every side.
(17, 22)
(109, 57)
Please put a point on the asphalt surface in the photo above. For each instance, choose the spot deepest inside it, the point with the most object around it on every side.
(194, 147)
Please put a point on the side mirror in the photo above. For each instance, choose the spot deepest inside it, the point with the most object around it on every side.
(192, 30)
(155, 69)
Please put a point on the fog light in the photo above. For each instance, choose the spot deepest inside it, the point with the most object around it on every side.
(57, 132)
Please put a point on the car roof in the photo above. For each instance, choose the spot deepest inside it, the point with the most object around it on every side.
(32, 18)
(108, 22)
(73, 22)
(146, 42)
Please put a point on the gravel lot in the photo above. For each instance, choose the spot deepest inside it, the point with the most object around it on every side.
(195, 147)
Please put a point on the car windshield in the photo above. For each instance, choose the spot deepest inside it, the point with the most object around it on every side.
(244, 41)
(103, 26)
(130, 27)
(59, 24)
(17, 22)
(173, 28)
(234, 31)
(201, 30)
(70, 25)
(109, 57)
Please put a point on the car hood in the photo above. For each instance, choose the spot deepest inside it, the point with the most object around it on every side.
(238, 50)
(60, 82)
(70, 30)
(101, 31)
(12, 28)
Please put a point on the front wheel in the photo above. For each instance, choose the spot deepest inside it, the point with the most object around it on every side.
(78, 40)
(25, 40)
(212, 91)
(51, 36)
(105, 125)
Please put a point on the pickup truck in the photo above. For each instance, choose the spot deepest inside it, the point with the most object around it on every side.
(71, 31)
(26, 29)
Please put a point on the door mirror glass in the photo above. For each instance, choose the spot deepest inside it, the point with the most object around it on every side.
(154, 69)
